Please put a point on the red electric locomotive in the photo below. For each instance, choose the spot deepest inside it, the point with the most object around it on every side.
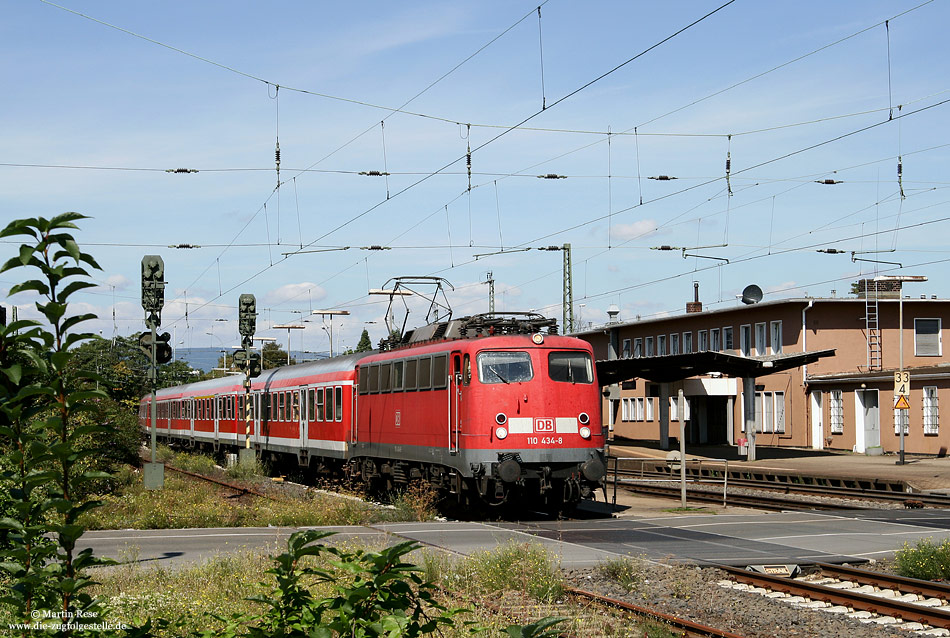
(491, 408)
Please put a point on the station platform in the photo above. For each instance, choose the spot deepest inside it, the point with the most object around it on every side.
(925, 474)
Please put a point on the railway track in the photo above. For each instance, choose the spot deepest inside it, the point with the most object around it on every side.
(758, 501)
(851, 491)
(918, 604)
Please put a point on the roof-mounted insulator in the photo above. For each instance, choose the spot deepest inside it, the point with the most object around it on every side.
(552, 176)
(181, 170)
(375, 247)
(828, 181)
(662, 178)
(831, 251)
(374, 173)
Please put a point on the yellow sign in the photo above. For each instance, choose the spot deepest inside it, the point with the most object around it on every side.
(902, 403)
(901, 383)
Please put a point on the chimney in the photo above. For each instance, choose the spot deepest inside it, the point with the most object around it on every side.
(695, 305)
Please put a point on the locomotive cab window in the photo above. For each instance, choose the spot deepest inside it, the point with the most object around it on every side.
(467, 370)
(570, 367)
(504, 367)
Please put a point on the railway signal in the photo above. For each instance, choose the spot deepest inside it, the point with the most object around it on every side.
(162, 352)
(156, 348)
(250, 363)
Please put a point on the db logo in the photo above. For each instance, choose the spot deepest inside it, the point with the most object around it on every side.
(544, 425)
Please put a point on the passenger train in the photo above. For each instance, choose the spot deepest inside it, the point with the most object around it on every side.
(490, 409)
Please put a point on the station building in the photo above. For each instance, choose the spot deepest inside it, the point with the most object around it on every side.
(842, 402)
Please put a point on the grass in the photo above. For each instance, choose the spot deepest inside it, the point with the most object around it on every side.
(626, 572)
(188, 502)
(516, 567)
(689, 510)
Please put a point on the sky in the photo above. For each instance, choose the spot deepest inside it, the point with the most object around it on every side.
(101, 98)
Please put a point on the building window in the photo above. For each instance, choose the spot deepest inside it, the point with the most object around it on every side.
(837, 412)
(637, 348)
(714, 344)
(661, 345)
(768, 412)
(775, 331)
(902, 417)
(674, 411)
(780, 412)
(649, 346)
(649, 408)
(745, 340)
(760, 342)
(674, 343)
(639, 413)
(727, 342)
(931, 410)
(687, 342)
(626, 349)
(927, 342)
(625, 410)
(703, 344)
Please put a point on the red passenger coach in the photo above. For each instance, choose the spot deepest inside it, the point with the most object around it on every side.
(489, 408)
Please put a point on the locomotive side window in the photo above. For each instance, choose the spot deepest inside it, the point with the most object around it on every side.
(397, 375)
(504, 367)
(373, 379)
(467, 370)
(440, 371)
(339, 403)
(410, 380)
(310, 404)
(425, 373)
(385, 377)
(364, 379)
(570, 367)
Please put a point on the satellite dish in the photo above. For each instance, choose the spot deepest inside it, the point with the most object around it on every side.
(751, 294)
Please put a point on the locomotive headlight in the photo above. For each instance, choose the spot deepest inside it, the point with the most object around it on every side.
(501, 432)
(583, 418)
(585, 432)
(537, 338)
(501, 418)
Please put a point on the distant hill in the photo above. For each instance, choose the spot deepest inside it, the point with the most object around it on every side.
(207, 358)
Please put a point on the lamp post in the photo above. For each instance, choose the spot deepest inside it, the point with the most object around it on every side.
(900, 337)
(288, 327)
(330, 313)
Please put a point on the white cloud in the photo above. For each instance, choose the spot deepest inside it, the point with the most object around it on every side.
(636, 230)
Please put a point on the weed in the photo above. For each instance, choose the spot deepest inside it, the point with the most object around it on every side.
(520, 567)
(627, 572)
(416, 502)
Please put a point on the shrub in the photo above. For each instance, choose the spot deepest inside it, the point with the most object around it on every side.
(925, 560)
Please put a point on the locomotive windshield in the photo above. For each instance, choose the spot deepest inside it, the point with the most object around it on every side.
(570, 367)
(504, 367)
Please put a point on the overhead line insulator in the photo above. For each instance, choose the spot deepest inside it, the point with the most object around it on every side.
(831, 251)
(184, 246)
(552, 176)
(181, 170)
(828, 181)
(663, 178)
(374, 173)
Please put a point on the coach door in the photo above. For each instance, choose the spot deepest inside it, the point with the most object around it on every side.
(300, 413)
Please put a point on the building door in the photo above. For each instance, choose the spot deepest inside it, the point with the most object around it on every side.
(869, 419)
(817, 422)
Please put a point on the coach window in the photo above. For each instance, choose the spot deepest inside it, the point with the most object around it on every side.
(411, 371)
(425, 373)
(319, 404)
(373, 379)
(504, 367)
(397, 376)
(385, 377)
(467, 370)
(296, 403)
(339, 403)
(440, 372)
(281, 409)
(310, 404)
(329, 414)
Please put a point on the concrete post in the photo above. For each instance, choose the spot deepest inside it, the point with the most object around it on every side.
(664, 415)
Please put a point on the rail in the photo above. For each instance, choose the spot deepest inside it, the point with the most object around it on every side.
(707, 477)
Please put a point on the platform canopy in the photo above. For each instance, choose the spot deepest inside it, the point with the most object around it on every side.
(676, 367)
